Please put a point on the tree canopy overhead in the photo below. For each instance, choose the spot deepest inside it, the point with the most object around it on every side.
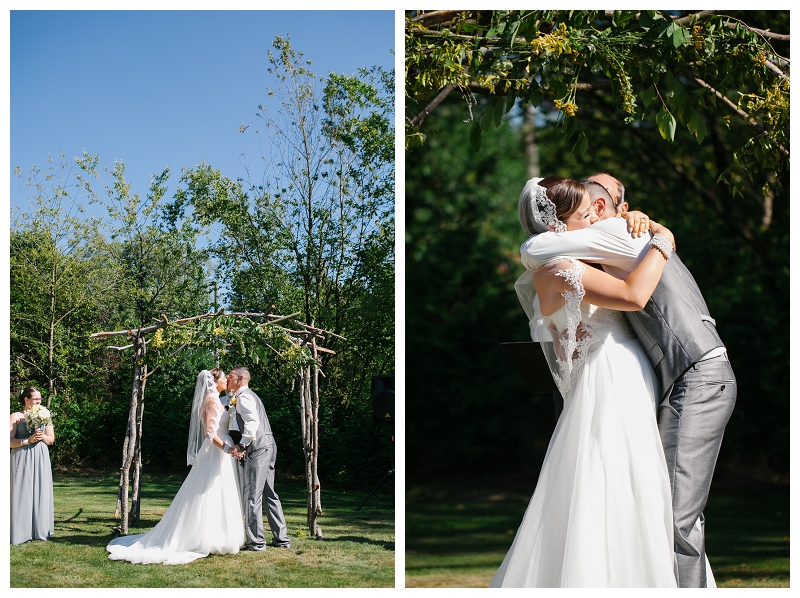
(669, 68)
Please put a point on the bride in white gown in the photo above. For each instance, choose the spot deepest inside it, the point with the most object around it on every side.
(205, 516)
(601, 514)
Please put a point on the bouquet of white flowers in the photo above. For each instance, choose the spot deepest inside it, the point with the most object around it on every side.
(37, 417)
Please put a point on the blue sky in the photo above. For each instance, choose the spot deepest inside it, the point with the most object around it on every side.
(165, 88)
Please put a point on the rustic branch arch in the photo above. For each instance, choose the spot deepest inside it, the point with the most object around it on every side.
(299, 337)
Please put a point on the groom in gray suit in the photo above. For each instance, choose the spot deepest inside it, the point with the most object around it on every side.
(681, 341)
(258, 451)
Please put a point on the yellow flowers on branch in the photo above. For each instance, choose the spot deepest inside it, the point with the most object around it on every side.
(544, 58)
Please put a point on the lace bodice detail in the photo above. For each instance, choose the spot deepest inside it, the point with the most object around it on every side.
(217, 421)
(212, 415)
(598, 318)
(568, 334)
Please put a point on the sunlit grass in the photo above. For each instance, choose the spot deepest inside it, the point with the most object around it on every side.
(358, 549)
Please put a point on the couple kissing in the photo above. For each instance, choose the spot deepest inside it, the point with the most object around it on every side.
(218, 509)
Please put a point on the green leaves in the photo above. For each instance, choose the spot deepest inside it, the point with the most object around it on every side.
(316, 235)
(568, 50)
(666, 124)
(583, 143)
(680, 102)
(697, 127)
(499, 104)
(475, 135)
(646, 20)
(678, 35)
(648, 95)
(622, 17)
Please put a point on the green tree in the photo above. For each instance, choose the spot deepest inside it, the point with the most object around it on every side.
(315, 232)
(463, 397)
(57, 279)
(159, 268)
(674, 69)
(462, 249)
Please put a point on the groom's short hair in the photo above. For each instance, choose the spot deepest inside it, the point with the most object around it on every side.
(620, 188)
(595, 189)
(242, 371)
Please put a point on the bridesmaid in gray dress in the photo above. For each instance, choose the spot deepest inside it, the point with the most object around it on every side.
(31, 476)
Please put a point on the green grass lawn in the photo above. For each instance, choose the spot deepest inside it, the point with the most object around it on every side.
(358, 549)
(459, 540)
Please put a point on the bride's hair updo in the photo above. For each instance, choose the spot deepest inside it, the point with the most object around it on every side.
(565, 193)
(216, 373)
(545, 204)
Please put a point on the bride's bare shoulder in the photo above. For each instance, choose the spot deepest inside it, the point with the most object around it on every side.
(551, 283)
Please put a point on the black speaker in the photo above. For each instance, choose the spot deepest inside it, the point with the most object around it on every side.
(383, 398)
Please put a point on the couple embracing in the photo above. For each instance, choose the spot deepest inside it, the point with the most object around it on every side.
(647, 391)
(218, 509)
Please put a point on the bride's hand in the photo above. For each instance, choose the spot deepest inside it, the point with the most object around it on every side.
(638, 222)
(660, 229)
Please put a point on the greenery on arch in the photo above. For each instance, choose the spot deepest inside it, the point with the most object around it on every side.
(233, 336)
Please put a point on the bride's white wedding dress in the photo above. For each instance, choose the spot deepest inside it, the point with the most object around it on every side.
(205, 516)
(601, 513)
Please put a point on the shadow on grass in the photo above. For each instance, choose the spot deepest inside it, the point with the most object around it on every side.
(80, 511)
(360, 540)
(358, 551)
(81, 540)
(465, 535)
(158, 491)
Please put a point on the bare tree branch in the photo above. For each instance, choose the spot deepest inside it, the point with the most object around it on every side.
(593, 86)
(417, 120)
(744, 115)
(435, 17)
(696, 17)
(775, 69)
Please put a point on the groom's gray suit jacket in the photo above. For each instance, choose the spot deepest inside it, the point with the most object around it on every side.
(675, 327)
(259, 482)
(264, 432)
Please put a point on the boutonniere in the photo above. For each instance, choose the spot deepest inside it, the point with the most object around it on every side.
(231, 403)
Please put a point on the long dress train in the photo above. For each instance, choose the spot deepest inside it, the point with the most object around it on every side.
(205, 516)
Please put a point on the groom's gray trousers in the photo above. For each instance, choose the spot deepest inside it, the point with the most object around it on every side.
(676, 331)
(691, 421)
(259, 490)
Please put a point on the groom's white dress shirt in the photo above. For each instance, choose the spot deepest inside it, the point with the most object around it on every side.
(246, 407)
(607, 243)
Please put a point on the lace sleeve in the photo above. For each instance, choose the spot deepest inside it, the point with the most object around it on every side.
(212, 412)
(565, 339)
